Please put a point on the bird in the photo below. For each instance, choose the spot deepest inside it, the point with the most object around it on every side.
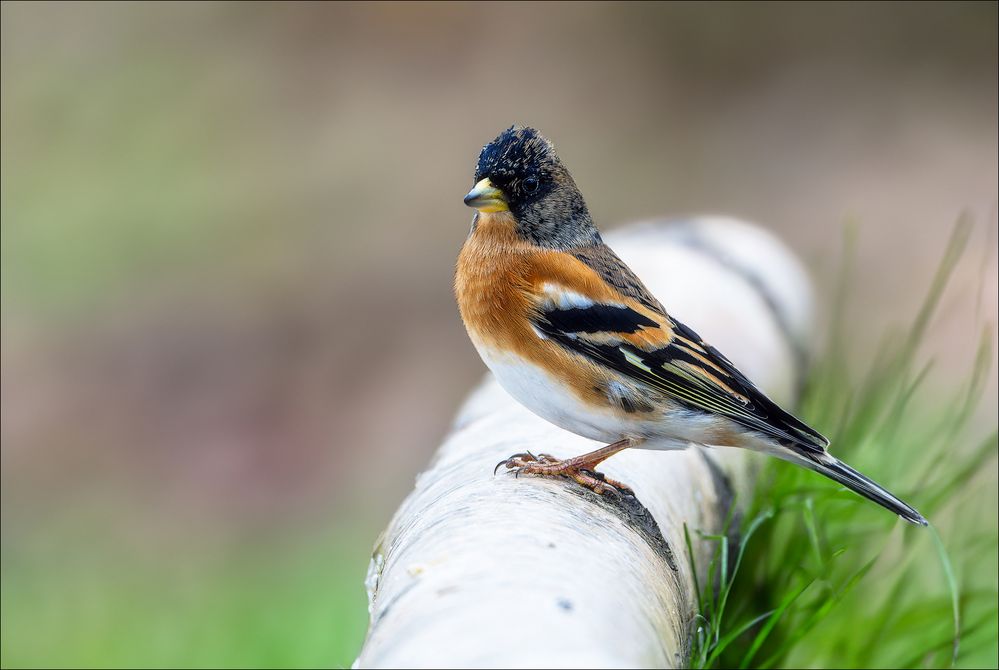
(570, 331)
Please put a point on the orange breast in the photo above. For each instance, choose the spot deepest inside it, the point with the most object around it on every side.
(491, 282)
(497, 284)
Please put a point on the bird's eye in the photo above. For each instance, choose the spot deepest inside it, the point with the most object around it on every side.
(531, 184)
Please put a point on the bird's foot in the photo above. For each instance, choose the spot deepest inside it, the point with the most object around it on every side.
(578, 469)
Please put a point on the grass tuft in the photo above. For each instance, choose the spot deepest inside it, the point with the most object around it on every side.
(826, 579)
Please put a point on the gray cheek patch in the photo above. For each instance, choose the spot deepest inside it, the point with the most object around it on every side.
(559, 220)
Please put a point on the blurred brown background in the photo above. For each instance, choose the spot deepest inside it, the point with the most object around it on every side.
(228, 233)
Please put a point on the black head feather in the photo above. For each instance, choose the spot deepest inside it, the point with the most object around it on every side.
(541, 193)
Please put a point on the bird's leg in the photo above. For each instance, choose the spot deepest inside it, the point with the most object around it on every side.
(578, 468)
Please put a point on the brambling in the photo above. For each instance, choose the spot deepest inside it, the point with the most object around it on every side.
(570, 332)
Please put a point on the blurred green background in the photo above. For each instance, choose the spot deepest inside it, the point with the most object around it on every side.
(228, 234)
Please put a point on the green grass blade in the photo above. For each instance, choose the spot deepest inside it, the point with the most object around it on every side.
(772, 621)
(948, 570)
(735, 634)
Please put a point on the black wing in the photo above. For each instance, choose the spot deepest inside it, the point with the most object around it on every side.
(681, 366)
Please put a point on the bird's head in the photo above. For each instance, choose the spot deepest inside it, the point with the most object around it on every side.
(520, 172)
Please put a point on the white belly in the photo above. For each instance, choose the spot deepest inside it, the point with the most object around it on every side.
(551, 400)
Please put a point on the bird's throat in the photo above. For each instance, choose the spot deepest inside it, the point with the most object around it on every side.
(498, 224)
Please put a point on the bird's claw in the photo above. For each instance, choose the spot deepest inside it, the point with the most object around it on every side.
(518, 462)
(547, 465)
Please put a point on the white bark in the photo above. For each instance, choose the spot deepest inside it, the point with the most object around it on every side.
(477, 570)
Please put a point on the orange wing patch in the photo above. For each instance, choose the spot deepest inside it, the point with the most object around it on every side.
(565, 282)
(499, 285)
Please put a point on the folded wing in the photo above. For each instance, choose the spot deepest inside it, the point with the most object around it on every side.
(651, 347)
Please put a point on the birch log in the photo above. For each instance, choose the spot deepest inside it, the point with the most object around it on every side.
(477, 570)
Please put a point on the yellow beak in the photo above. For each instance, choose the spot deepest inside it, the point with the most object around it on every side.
(487, 198)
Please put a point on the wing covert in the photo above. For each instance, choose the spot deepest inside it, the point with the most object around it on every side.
(668, 356)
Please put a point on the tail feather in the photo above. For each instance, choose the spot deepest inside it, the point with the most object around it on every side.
(842, 473)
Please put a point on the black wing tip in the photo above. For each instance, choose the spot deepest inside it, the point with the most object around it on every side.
(859, 483)
(909, 513)
(916, 519)
(809, 436)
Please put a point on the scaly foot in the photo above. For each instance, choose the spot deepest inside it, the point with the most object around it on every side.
(578, 469)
